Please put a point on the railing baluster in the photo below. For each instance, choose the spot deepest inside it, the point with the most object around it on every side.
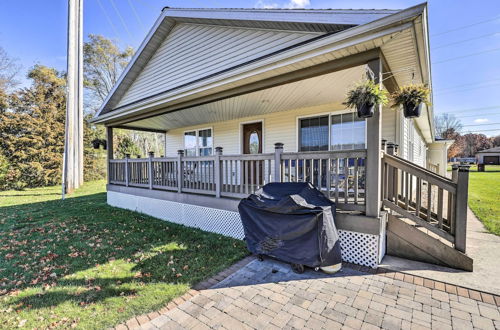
(346, 183)
(440, 207)
(407, 190)
(429, 201)
(356, 179)
(419, 197)
(337, 172)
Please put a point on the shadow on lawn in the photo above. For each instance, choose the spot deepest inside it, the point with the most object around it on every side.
(92, 251)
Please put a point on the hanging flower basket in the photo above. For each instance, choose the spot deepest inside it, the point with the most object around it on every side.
(412, 98)
(96, 143)
(365, 110)
(104, 144)
(364, 97)
(411, 110)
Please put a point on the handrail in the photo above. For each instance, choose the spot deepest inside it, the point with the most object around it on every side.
(416, 170)
(427, 198)
(339, 174)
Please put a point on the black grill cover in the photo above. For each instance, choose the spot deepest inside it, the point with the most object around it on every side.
(293, 222)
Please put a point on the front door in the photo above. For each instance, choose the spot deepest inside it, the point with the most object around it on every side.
(252, 144)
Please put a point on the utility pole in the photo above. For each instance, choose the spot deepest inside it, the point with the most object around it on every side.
(73, 145)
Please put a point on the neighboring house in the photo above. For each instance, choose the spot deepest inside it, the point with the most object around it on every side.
(489, 156)
(249, 96)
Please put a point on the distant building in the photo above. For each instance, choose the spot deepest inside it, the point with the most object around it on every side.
(489, 156)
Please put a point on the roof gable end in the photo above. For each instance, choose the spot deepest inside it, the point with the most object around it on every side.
(295, 26)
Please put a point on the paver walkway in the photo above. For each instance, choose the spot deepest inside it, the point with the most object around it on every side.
(268, 295)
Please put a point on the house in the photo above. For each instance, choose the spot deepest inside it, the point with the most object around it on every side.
(249, 96)
(489, 156)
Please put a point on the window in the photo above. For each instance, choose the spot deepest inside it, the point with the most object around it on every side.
(198, 143)
(313, 134)
(347, 132)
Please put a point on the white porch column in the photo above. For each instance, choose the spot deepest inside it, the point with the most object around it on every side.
(373, 143)
(110, 147)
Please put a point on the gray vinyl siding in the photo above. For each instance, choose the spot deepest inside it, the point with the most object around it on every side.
(194, 51)
(413, 146)
(389, 120)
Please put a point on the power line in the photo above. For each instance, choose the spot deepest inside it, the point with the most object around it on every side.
(110, 22)
(494, 107)
(467, 40)
(483, 130)
(476, 115)
(121, 19)
(466, 89)
(468, 55)
(485, 124)
(466, 26)
(136, 14)
(468, 84)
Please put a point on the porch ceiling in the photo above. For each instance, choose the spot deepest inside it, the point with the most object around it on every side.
(328, 89)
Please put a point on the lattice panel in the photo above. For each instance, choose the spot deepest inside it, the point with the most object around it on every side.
(209, 219)
(358, 248)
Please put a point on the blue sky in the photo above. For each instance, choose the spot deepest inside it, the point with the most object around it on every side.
(34, 31)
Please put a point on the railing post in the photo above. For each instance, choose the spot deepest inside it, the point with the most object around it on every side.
(278, 150)
(454, 172)
(180, 174)
(150, 169)
(127, 157)
(390, 173)
(384, 144)
(390, 148)
(462, 177)
(218, 172)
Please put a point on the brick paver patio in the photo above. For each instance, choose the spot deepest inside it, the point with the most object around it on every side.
(268, 295)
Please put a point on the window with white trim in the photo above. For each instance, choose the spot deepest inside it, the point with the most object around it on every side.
(343, 132)
(347, 132)
(198, 142)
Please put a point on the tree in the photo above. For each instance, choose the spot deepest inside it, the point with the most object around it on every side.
(32, 130)
(447, 126)
(103, 62)
(9, 70)
(125, 145)
(496, 141)
(474, 143)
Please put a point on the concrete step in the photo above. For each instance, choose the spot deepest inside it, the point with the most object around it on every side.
(406, 241)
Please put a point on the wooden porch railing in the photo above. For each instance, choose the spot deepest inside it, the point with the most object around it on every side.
(426, 198)
(340, 175)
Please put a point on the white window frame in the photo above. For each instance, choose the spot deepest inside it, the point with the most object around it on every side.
(321, 114)
(197, 135)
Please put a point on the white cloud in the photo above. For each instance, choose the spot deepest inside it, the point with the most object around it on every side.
(298, 3)
(265, 5)
(481, 120)
(290, 4)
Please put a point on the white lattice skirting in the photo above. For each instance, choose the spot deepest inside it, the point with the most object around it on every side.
(358, 248)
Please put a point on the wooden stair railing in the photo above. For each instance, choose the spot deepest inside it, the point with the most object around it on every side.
(428, 199)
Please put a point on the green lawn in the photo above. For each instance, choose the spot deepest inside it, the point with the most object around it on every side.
(80, 263)
(484, 196)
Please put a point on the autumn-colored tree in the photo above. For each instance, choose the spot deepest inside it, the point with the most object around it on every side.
(32, 130)
(474, 143)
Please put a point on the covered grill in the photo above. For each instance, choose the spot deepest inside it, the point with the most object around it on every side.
(293, 222)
